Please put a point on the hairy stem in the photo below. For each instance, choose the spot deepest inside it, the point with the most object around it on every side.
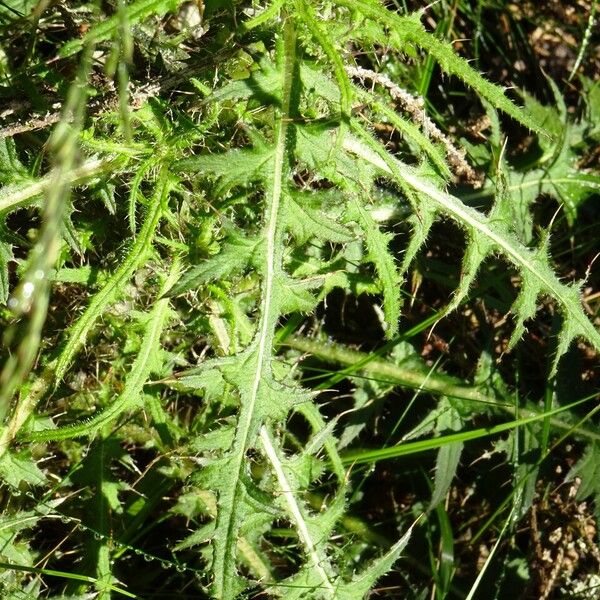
(430, 382)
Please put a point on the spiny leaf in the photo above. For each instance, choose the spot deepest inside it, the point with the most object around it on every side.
(310, 535)
(411, 132)
(18, 468)
(295, 295)
(11, 168)
(421, 223)
(311, 413)
(236, 167)
(113, 287)
(262, 84)
(305, 219)
(254, 386)
(146, 362)
(322, 38)
(525, 305)
(237, 254)
(409, 29)
(561, 178)
(363, 582)
(534, 267)
(478, 249)
(200, 536)
(315, 145)
(379, 254)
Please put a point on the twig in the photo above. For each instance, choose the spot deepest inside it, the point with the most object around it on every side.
(414, 106)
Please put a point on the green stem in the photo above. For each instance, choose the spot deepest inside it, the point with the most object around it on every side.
(433, 383)
(20, 195)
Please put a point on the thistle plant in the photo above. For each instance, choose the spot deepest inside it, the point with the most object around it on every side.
(241, 207)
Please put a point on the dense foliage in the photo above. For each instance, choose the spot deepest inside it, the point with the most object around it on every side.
(293, 296)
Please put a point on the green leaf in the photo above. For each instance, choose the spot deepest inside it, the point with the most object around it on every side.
(534, 266)
(306, 219)
(12, 169)
(262, 84)
(379, 254)
(587, 468)
(253, 370)
(317, 572)
(16, 468)
(237, 254)
(562, 179)
(294, 295)
(557, 172)
(364, 581)
(147, 361)
(114, 286)
(233, 168)
(448, 455)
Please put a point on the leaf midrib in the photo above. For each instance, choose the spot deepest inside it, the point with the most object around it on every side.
(263, 342)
